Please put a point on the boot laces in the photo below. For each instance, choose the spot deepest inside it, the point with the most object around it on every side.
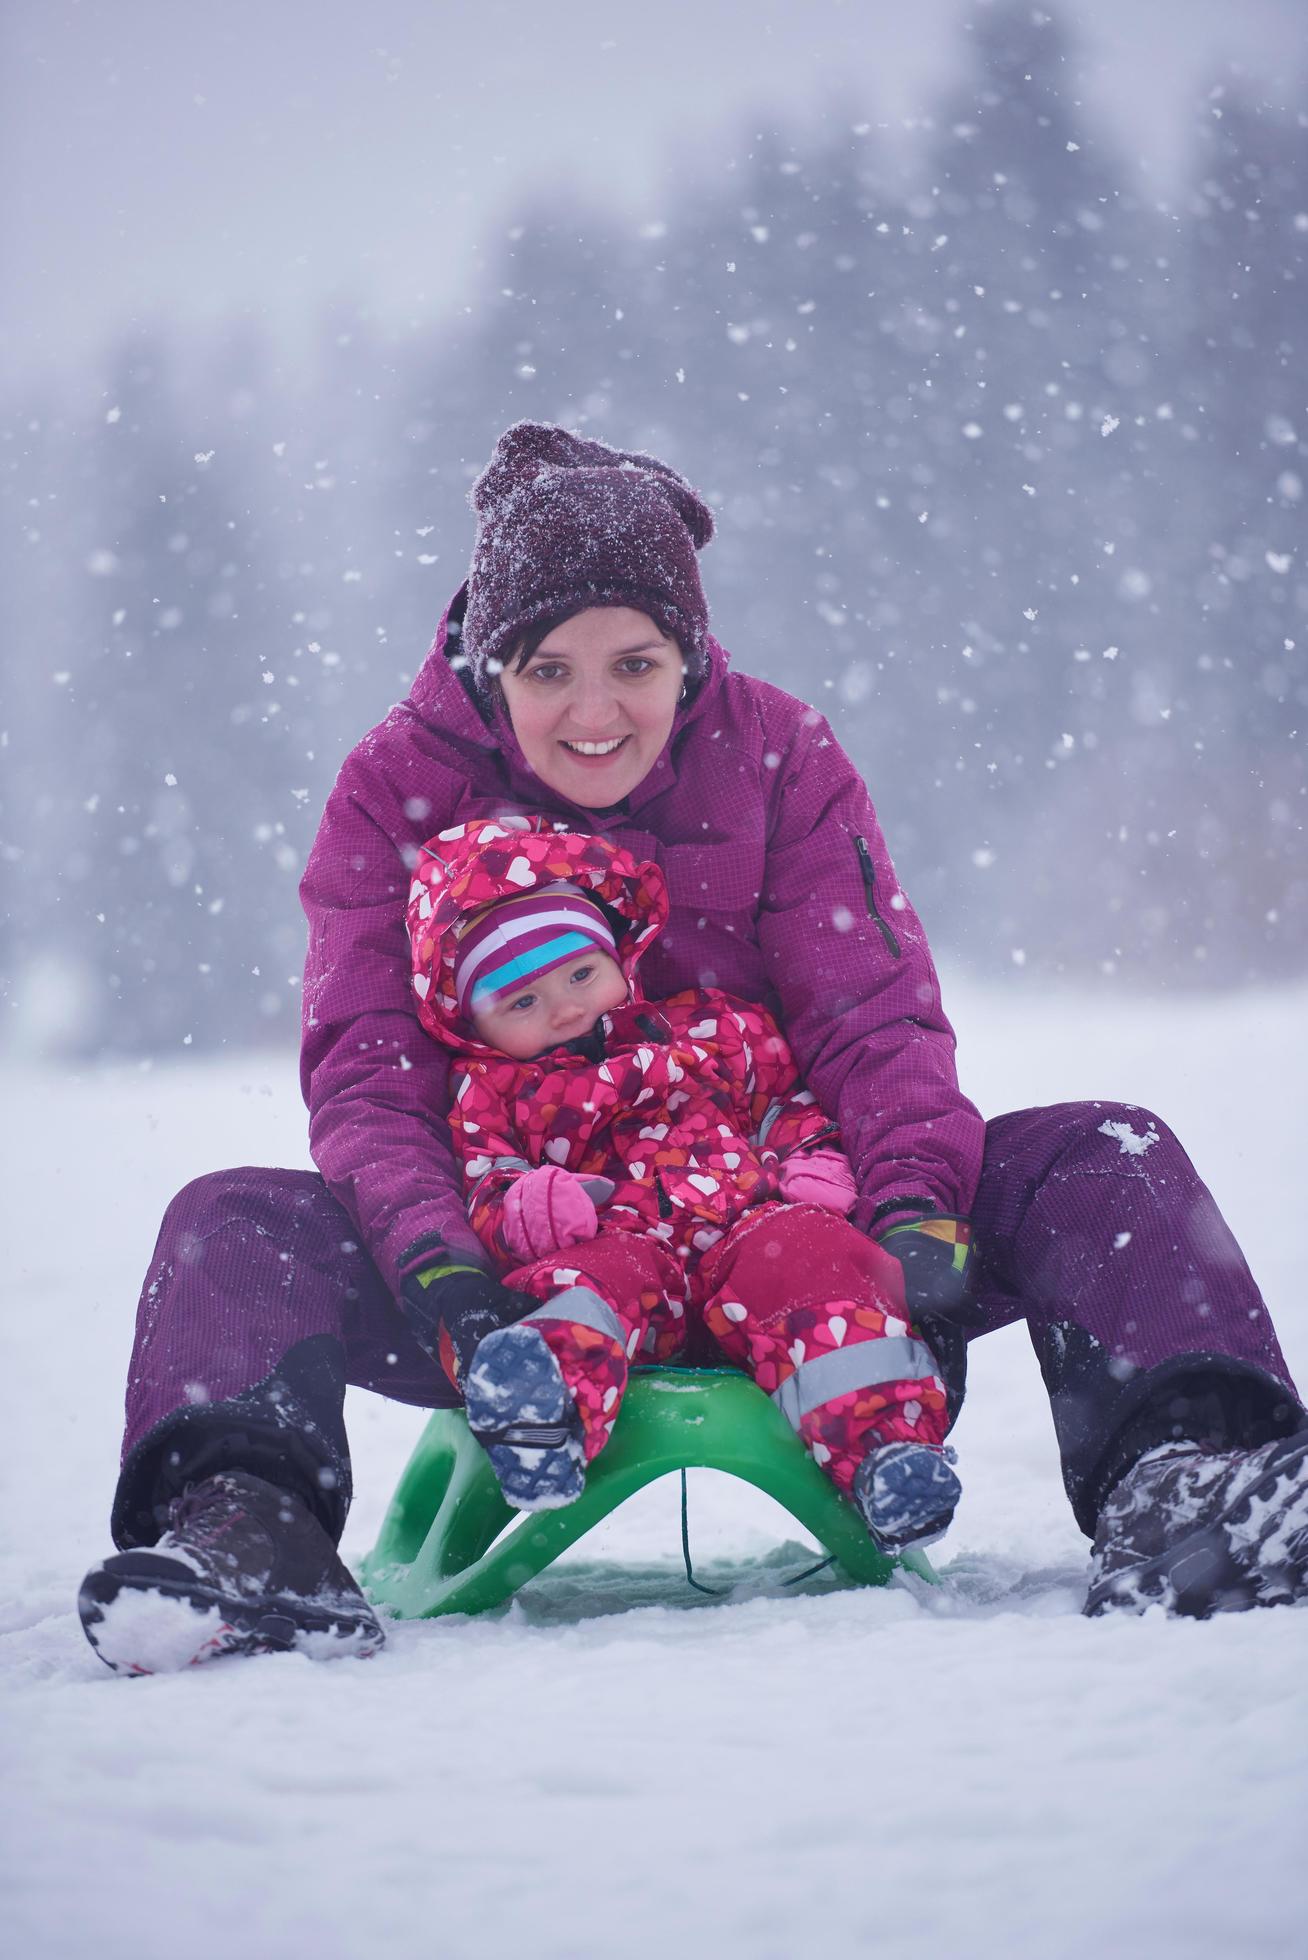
(206, 1510)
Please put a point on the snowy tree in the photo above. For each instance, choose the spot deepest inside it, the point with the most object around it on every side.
(1009, 464)
(1242, 693)
(178, 892)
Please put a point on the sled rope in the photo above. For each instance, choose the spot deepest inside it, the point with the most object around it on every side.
(719, 1592)
(714, 1592)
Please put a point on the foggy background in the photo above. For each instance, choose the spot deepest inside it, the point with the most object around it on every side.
(981, 325)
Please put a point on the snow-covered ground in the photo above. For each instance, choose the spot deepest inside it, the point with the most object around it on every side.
(614, 1764)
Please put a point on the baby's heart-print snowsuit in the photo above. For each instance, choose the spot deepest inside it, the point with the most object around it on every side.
(688, 1108)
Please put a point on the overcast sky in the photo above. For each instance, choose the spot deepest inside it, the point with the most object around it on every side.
(194, 159)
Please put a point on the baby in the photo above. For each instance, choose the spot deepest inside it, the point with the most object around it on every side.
(658, 1177)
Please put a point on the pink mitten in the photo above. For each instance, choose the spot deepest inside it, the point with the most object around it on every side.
(549, 1208)
(822, 1177)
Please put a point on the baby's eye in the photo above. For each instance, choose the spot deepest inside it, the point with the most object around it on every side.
(581, 974)
(523, 1001)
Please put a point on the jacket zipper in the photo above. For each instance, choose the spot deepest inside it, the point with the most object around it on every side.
(868, 870)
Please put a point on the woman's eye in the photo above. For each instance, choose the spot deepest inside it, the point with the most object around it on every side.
(635, 666)
(546, 670)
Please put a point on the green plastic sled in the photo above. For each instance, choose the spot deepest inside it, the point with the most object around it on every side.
(440, 1549)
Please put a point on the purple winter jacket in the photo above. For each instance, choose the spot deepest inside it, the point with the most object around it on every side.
(782, 892)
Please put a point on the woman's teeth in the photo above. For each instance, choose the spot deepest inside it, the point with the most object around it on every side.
(596, 748)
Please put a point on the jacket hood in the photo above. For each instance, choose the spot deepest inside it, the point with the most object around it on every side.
(443, 695)
(462, 870)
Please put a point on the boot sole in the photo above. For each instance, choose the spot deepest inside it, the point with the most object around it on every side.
(274, 1625)
(515, 1383)
(1204, 1574)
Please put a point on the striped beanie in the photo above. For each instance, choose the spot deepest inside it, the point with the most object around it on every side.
(512, 942)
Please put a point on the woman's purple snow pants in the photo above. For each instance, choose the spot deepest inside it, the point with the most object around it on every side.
(1090, 1223)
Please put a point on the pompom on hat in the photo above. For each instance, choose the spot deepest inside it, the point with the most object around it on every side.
(566, 523)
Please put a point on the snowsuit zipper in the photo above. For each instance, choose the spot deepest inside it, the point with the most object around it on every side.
(868, 870)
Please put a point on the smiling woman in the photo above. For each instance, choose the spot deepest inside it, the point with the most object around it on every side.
(574, 674)
(592, 702)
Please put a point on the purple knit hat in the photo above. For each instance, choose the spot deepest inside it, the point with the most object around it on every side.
(514, 940)
(565, 523)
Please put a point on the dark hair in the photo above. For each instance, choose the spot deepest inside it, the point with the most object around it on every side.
(538, 631)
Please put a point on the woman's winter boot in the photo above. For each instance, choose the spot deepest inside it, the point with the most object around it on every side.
(243, 1568)
(520, 1411)
(1204, 1531)
(907, 1493)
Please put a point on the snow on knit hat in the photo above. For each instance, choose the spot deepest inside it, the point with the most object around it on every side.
(566, 523)
(515, 940)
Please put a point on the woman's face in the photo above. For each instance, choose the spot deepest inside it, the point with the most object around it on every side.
(594, 704)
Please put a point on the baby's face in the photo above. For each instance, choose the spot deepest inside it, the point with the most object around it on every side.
(558, 1007)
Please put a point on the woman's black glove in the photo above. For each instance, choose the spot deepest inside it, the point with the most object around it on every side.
(451, 1308)
(935, 1252)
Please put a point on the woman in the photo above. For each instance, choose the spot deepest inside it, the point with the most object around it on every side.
(574, 674)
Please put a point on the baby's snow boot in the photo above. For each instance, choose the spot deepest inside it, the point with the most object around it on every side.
(907, 1493)
(522, 1414)
(243, 1568)
(1205, 1531)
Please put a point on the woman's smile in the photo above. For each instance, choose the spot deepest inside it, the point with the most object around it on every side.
(594, 748)
(595, 757)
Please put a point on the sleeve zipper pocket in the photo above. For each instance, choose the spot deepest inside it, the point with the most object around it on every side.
(868, 869)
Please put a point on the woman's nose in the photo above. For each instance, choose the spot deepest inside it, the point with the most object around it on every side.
(595, 705)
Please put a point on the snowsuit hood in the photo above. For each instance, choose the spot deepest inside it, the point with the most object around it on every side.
(467, 867)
